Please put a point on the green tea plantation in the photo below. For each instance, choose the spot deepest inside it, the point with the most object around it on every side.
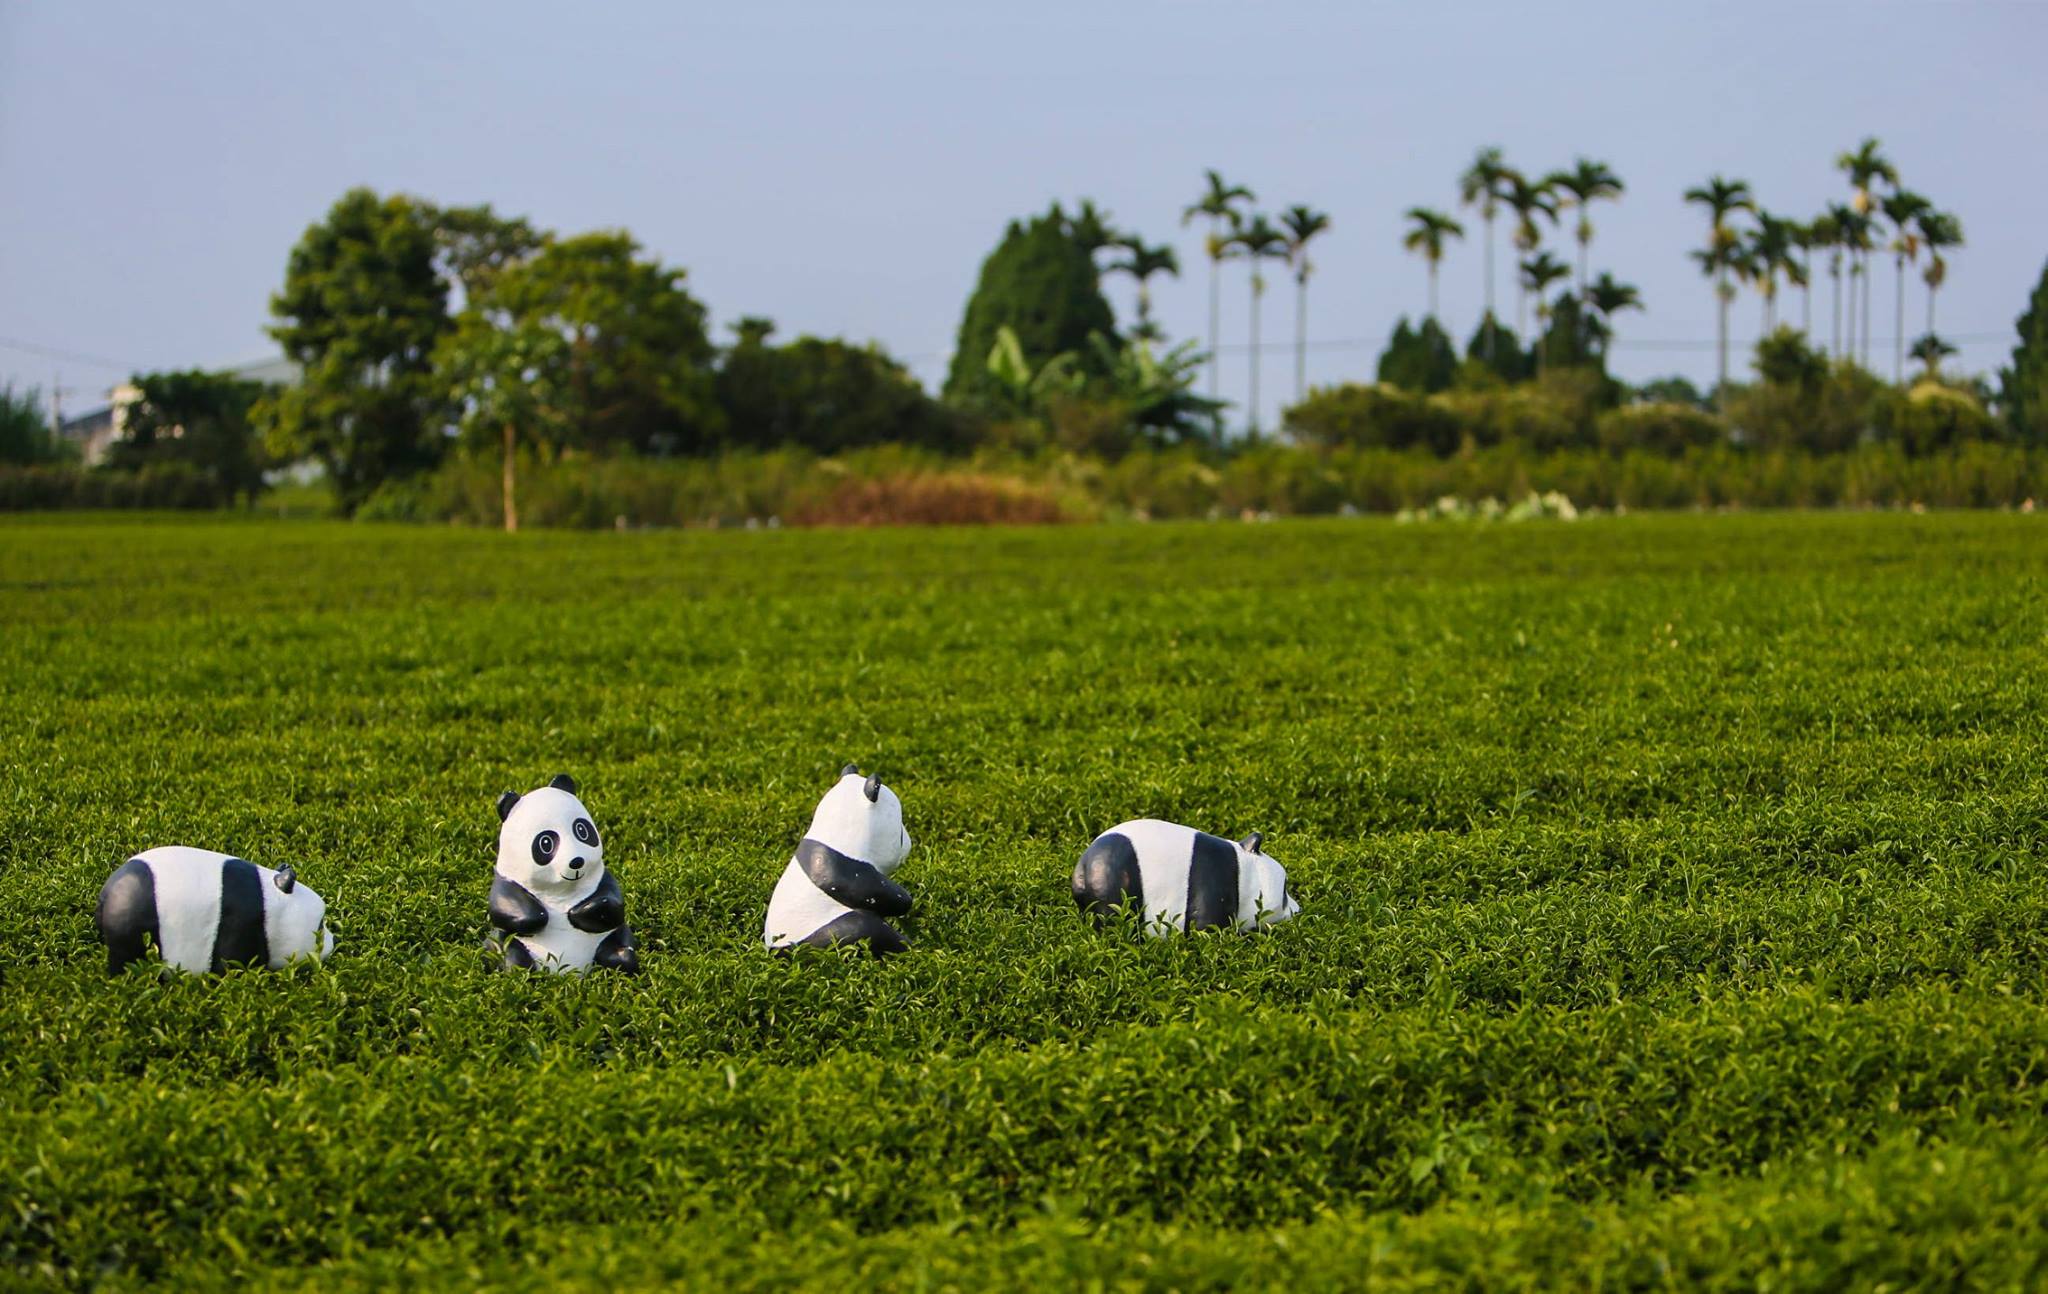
(1674, 906)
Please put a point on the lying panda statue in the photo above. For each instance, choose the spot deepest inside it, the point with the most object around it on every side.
(206, 912)
(836, 890)
(553, 902)
(1181, 879)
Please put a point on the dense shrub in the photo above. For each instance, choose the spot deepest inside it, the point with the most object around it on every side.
(1420, 359)
(160, 485)
(1374, 417)
(827, 396)
(1932, 418)
(940, 499)
(1658, 428)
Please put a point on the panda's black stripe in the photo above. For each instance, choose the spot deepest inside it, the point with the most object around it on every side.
(1212, 883)
(127, 914)
(240, 938)
(1108, 875)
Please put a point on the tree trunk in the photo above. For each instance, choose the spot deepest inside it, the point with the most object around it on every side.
(1300, 338)
(1835, 330)
(1489, 286)
(1806, 296)
(1432, 292)
(1866, 311)
(1252, 407)
(1899, 341)
(1721, 299)
(1215, 320)
(511, 497)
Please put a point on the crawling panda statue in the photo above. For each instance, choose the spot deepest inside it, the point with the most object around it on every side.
(552, 900)
(836, 890)
(1182, 879)
(206, 912)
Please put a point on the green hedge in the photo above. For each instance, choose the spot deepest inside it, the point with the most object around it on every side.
(158, 486)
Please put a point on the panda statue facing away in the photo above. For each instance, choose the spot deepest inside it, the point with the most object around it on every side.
(1181, 879)
(836, 890)
(552, 900)
(206, 912)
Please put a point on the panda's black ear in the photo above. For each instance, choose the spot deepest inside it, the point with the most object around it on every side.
(1252, 842)
(851, 770)
(505, 803)
(286, 879)
(873, 789)
(563, 782)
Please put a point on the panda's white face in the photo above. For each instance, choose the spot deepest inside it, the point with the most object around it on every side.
(1275, 902)
(869, 830)
(298, 923)
(549, 843)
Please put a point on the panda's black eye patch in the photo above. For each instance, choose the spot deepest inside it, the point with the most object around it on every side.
(586, 831)
(544, 846)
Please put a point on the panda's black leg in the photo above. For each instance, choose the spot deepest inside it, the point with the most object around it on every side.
(617, 952)
(516, 955)
(857, 927)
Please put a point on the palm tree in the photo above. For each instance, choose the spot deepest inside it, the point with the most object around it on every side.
(1302, 224)
(1605, 298)
(1427, 233)
(1586, 183)
(1721, 197)
(1938, 229)
(1483, 185)
(1141, 263)
(1257, 240)
(1856, 236)
(1537, 274)
(1830, 230)
(1864, 165)
(1903, 208)
(1769, 252)
(1931, 350)
(1800, 273)
(1528, 201)
(1219, 204)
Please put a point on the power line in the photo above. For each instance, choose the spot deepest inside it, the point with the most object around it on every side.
(70, 356)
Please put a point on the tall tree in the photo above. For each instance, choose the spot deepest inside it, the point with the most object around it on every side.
(1044, 287)
(1257, 240)
(1939, 231)
(1769, 254)
(1428, 231)
(2023, 384)
(1608, 297)
(1864, 166)
(1858, 237)
(26, 435)
(361, 310)
(1141, 262)
(586, 344)
(1090, 228)
(1930, 350)
(1903, 208)
(474, 244)
(1219, 205)
(1484, 185)
(1829, 232)
(1722, 198)
(1302, 224)
(197, 418)
(1536, 275)
(1528, 200)
(1586, 183)
(1804, 240)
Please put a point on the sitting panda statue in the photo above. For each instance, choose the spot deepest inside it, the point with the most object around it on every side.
(206, 912)
(836, 890)
(552, 900)
(1178, 878)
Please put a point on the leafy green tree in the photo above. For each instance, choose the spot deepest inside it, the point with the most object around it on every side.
(1904, 209)
(584, 344)
(1303, 225)
(362, 309)
(1528, 200)
(1499, 351)
(2023, 384)
(1722, 198)
(1419, 359)
(475, 244)
(1930, 350)
(25, 432)
(826, 396)
(1042, 285)
(1769, 252)
(1428, 232)
(1670, 390)
(1586, 183)
(1864, 166)
(1218, 204)
(197, 418)
(1535, 275)
(1573, 336)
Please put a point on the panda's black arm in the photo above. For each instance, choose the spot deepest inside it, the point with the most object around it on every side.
(604, 910)
(514, 909)
(860, 886)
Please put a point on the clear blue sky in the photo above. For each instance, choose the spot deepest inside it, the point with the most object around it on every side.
(844, 168)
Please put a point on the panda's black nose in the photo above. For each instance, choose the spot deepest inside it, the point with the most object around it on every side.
(575, 864)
